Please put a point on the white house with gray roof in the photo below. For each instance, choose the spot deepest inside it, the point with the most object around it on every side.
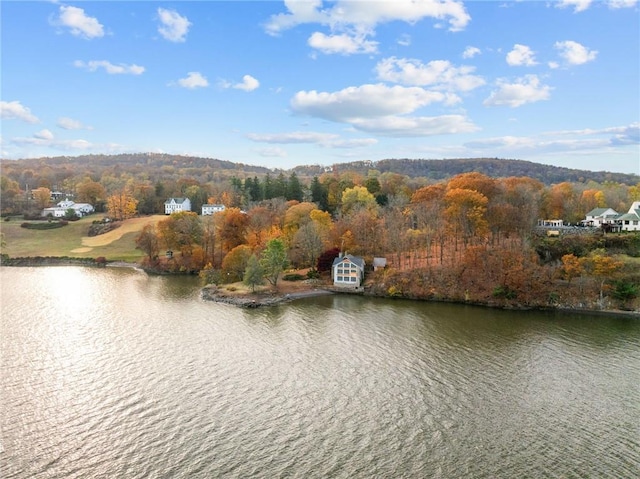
(348, 271)
(175, 205)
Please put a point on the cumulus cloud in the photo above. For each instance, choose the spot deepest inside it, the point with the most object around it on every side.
(14, 110)
(351, 22)
(366, 101)
(343, 44)
(382, 110)
(44, 135)
(577, 5)
(71, 124)
(615, 4)
(521, 55)
(574, 53)
(248, 83)
(78, 23)
(525, 90)
(173, 26)
(110, 68)
(193, 80)
(439, 74)
(397, 126)
(471, 52)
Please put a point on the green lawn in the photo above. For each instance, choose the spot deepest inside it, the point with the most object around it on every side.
(22, 242)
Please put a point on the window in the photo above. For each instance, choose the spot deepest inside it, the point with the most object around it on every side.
(353, 279)
(340, 278)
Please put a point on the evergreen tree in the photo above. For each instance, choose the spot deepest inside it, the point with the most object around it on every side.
(294, 188)
(256, 190)
(280, 186)
(319, 194)
(269, 189)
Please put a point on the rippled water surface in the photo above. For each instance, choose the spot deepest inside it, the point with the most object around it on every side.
(114, 374)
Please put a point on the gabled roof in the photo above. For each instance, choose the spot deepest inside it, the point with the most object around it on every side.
(600, 211)
(629, 217)
(175, 200)
(347, 258)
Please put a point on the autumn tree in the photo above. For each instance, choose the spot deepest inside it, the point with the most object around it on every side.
(572, 266)
(274, 260)
(253, 274)
(309, 241)
(121, 206)
(358, 197)
(181, 231)
(41, 197)
(235, 263)
(465, 213)
(603, 268)
(148, 242)
(232, 228)
(89, 191)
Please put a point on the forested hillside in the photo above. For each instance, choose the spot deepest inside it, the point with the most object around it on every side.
(493, 167)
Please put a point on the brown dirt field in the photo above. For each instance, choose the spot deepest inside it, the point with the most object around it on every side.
(127, 226)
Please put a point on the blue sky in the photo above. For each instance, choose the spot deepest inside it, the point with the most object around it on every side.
(280, 84)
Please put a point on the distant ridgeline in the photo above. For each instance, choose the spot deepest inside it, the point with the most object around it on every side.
(492, 167)
(157, 163)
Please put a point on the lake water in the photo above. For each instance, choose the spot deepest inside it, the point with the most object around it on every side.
(114, 374)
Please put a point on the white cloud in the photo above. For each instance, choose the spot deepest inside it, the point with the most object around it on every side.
(382, 110)
(292, 137)
(44, 135)
(574, 53)
(327, 140)
(404, 40)
(471, 52)
(343, 44)
(397, 126)
(272, 152)
(193, 80)
(110, 68)
(14, 110)
(248, 83)
(79, 23)
(525, 90)
(366, 101)
(569, 141)
(174, 27)
(614, 4)
(440, 74)
(351, 22)
(577, 5)
(71, 124)
(521, 55)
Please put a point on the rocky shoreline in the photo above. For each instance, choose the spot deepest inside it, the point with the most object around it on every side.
(256, 300)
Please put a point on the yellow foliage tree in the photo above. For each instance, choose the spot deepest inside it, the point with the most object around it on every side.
(122, 206)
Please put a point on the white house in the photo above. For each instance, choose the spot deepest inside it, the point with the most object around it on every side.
(600, 216)
(174, 205)
(348, 271)
(208, 210)
(60, 210)
(630, 221)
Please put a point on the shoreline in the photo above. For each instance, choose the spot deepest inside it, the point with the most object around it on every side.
(258, 299)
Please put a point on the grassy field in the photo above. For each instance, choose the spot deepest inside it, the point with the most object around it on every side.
(72, 240)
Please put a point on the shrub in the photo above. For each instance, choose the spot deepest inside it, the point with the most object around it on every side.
(293, 277)
(313, 274)
(504, 292)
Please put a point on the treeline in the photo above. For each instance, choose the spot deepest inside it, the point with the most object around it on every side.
(493, 167)
(469, 238)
